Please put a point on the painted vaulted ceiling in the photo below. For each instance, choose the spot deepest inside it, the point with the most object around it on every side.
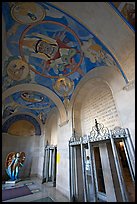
(47, 47)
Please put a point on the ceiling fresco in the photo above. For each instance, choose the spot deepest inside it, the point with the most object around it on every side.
(28, 101)
(48, 47)
(21, 117)
(127, 10)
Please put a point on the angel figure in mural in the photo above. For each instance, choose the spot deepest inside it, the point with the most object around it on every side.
(95, 53)
(63, 86)
(13, 163)
(31, 96)
(56, 54)
(42, 116)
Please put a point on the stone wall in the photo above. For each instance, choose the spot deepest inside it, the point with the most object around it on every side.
(98, 104)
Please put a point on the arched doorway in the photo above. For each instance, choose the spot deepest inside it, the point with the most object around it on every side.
(107, 181)
(50, 150)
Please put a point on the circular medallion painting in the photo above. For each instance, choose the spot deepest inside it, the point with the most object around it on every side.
(27, 12)
(63, 86)
(17, 69)
(51, 48)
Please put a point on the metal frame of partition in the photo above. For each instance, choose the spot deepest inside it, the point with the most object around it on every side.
(98, 135)
(49, 165)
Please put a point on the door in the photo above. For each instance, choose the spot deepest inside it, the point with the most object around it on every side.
(109, 174)
(49, 165)
(99, 178)
(127, 171)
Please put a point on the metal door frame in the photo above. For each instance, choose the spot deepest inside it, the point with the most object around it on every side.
(49, 159)
(100, 134)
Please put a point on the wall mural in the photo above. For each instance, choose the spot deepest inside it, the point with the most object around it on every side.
(13, 119)
(28, 101)
(22, 128)
(46, 46)
(127, 9)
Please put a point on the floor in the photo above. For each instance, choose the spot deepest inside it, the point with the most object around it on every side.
(45, 190)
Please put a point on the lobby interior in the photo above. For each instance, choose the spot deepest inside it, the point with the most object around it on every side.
(68, 93)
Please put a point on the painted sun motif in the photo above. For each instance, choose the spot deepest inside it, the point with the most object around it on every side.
(27, 12)
(63, 86)
(17, 69)
(54, 50)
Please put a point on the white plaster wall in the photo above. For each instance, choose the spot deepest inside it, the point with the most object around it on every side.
(40, 145)
(51, 127)
(77, 118)
(59, 134)
(108, 26)
(62, 179)
(125, 102)
(54, 131)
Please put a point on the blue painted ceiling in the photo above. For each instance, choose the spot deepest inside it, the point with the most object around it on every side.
(48, 47)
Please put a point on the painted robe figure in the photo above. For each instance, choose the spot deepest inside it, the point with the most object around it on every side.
(56, 54)
(13, 163)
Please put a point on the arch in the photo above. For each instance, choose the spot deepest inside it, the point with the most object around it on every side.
(108, 74)
(41, 89)
(116, 49)
(18, 117)
(94, 101)
(51, 126)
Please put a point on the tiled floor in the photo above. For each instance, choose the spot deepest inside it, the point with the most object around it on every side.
(46, 190)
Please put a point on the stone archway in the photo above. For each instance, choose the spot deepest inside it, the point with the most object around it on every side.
(43, 90)
(113, 79)
(97, 103)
